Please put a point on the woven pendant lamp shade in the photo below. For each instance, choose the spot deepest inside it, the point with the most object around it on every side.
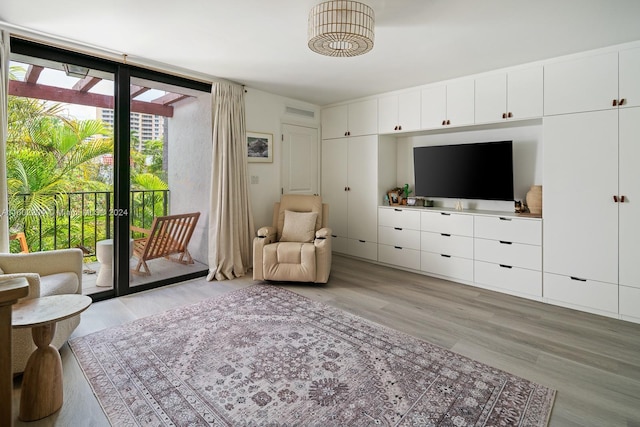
(341, 28)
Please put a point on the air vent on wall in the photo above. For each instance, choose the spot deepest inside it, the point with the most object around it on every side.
(300, 112)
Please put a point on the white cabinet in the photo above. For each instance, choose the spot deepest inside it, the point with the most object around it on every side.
(587, 295)
(399, 237)
(507, 96)
(354, 119)
(596, 82)
(508, 254)
(350, 187)
(399, 113)
(448, 105)
(629, 303)
(447, 245)
(580, 180)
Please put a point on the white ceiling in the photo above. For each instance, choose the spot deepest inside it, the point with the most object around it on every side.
(262, 43)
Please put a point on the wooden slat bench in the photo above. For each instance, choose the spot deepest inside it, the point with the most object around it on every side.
(169, 235)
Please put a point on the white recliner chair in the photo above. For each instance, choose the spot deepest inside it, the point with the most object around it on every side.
(297, 247)
(48, 273)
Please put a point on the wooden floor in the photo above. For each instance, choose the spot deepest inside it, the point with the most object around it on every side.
(593, 361)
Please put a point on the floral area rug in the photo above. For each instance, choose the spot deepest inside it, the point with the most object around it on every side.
(265, 356)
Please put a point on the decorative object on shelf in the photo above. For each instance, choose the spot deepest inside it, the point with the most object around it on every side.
(385, 200)
(412, 201)
(259, 147)
(459, 205)
(341, 28)
(394, 200)
(518, 206)
(428, 203)
(406, 191)
(534, 199)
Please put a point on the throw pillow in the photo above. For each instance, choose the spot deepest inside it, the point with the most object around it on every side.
(299, 226)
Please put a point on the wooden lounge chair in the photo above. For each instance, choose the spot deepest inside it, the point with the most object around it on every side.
(169, 235)
(22, 239)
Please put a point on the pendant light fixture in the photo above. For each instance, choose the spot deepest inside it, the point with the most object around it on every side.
(341, 28)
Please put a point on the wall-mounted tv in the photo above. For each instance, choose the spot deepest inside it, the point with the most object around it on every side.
(465, 171)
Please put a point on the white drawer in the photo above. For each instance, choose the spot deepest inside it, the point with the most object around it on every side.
(447, 244)
(630, 301)
(339, 244)
(449, 223)
(399, 237)
(509, 229)
(362, 249)
(397, 217)
(511, 279)
(408, 258)
(589, 293)
(449, 266)
(507, 253)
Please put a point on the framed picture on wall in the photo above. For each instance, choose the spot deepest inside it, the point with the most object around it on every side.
(259, 147)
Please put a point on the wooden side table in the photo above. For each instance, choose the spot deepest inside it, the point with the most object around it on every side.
(10, 291)
(41, 393)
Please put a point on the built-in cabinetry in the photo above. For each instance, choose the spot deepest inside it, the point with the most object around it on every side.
(448, 105)
(399, 113)
(507, 96)
(354, 119)
(591, 183)
(499, 252)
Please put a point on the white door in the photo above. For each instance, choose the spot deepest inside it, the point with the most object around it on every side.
(362, 188)
(300, 156)
(334, 184)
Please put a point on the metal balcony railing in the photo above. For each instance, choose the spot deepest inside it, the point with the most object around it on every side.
(79, 219)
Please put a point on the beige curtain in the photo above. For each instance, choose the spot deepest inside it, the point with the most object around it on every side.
(4, 92)
(230, 220)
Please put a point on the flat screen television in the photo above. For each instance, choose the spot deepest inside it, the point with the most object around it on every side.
(465, 171)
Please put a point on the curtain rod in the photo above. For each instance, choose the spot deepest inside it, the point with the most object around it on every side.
(112, 55)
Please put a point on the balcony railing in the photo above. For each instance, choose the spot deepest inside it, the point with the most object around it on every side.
(79, 219)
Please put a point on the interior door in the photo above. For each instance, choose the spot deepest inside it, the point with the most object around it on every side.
(299, 160)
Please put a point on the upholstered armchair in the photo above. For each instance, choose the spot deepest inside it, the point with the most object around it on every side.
(297, 246)
(48, 273)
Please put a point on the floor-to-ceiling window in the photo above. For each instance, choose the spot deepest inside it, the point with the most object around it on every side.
(88, 156)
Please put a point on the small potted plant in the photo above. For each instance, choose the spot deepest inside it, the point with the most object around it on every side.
(405, 193)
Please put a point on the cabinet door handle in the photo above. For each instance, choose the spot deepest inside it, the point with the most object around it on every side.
(444, 122)
(445, 256)
(445, 234)
(505, 266)
(397, 228)
(362, 241)
(621, 199)
(622, 101)
(397, 210)
(400, 127)
(505, 242)
(398, 247)
(504, 219)
(448, 122)
(334, 235)
(395, 128)
(504, 115)
(445, 213)
(578, 279)
(615, 103)
(509, 115)
(615, 199)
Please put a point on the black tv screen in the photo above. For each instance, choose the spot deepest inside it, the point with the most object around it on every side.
(465, 171)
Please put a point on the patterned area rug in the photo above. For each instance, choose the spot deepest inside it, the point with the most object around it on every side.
(265, 356)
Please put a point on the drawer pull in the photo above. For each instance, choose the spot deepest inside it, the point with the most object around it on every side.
(504, 219)
(397, 228)
(445, 213)
(397, 210)
(398, 247)
(446, 256)
(334, 235)
(505, 266)
(578, 279)
(505, 242)
(362, 241)
(445, 234)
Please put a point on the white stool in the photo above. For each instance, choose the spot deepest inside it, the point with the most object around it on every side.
(104, 253)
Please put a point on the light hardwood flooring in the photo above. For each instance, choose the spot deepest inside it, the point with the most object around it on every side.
(592, 361)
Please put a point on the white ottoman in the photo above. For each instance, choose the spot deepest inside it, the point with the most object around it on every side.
(104, 253)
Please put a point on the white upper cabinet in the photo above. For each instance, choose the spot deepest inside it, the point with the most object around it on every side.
(629, 75)
(507, 96)
(584, 84)
(448, 105)
(399, 113)
(357, 118)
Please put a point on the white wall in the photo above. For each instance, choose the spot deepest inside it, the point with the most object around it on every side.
(265, 113)
(527, 159)
(189, 168)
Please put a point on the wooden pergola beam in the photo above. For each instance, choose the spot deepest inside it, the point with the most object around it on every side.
(70, 96)
(137, 90)
(33, 73)
(169, 98)
(83, 85)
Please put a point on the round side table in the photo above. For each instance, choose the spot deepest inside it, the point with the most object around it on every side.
(104, 254)
(41, 393)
